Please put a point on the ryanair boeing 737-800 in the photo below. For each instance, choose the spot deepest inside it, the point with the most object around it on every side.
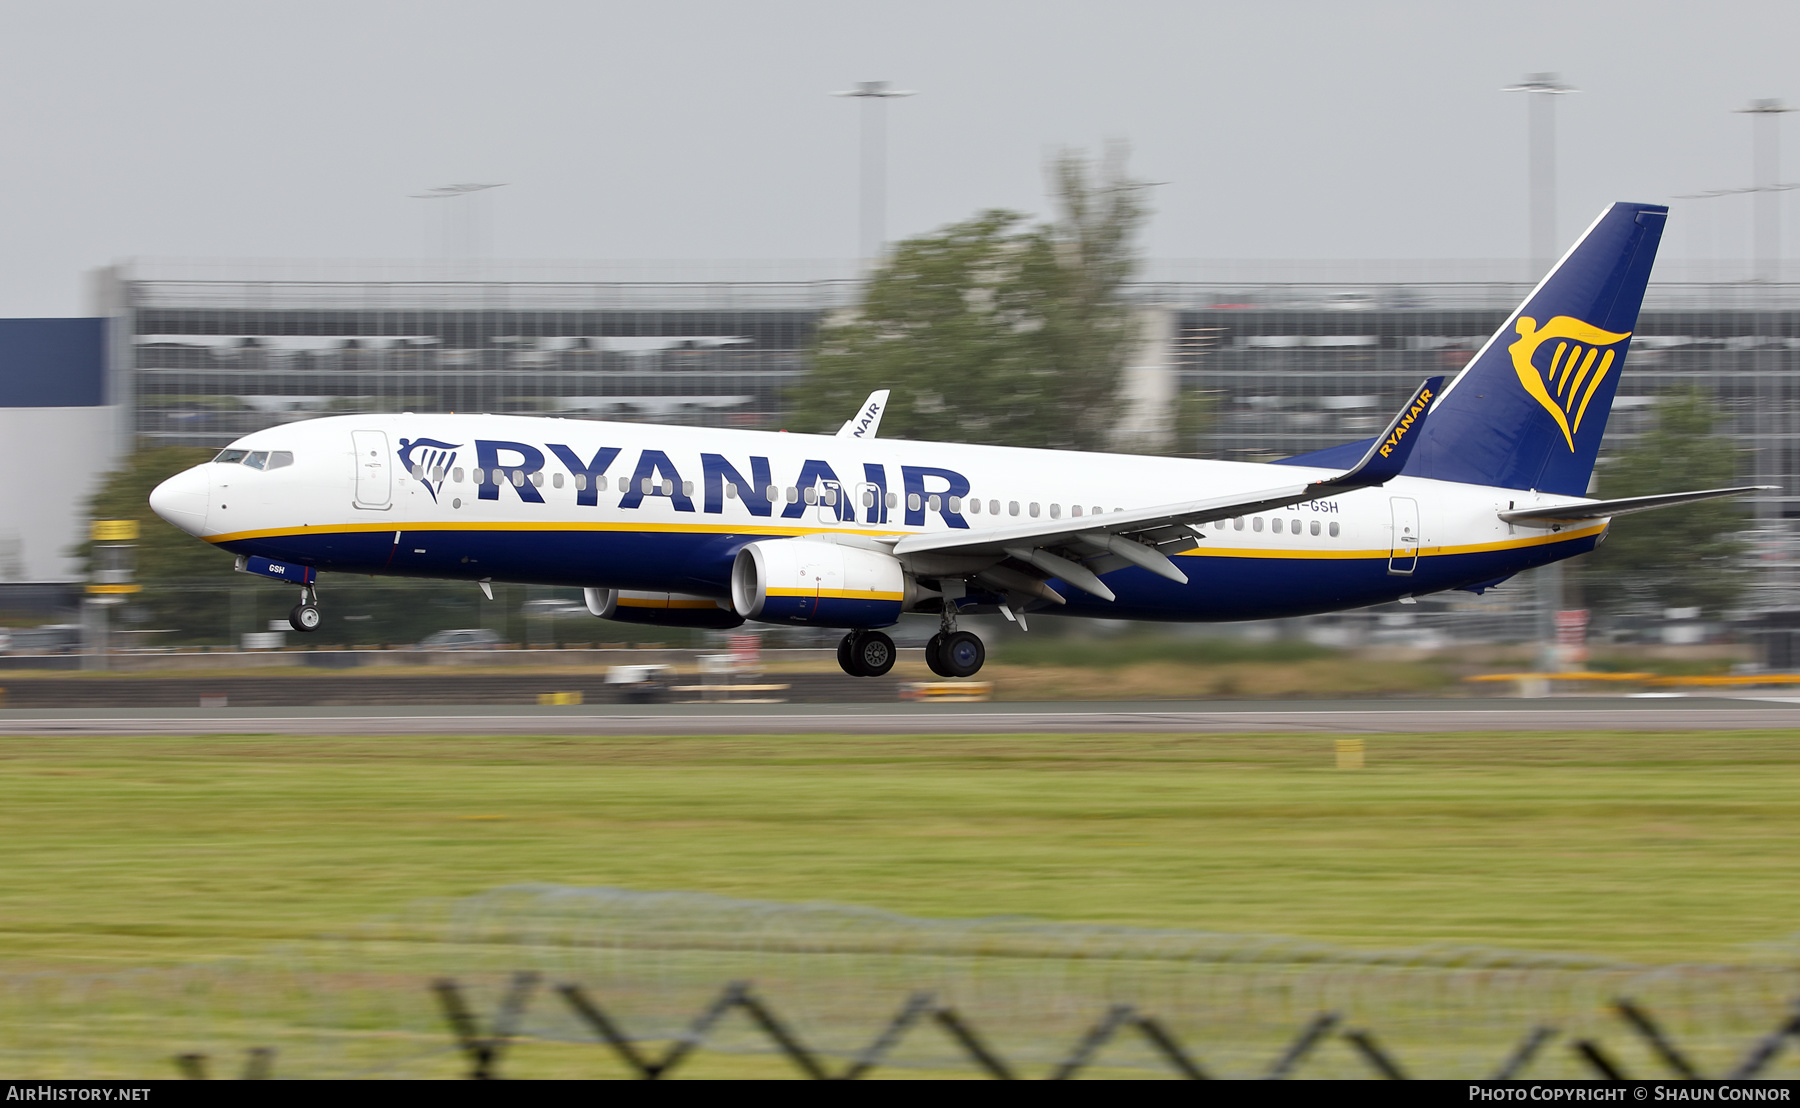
(1469, 484)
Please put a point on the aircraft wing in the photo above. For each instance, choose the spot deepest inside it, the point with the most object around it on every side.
(1601, 509)
(868, 418)
(1146, 536)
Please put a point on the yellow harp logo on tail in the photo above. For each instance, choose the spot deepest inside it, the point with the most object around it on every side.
(1572, 371)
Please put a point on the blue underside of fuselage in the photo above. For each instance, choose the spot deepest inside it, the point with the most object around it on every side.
(1220, 587)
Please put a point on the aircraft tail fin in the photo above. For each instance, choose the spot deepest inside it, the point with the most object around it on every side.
(1529, 410)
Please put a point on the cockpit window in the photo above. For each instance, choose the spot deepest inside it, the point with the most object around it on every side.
(257, 459)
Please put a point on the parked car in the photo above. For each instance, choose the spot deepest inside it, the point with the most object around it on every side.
(468, 638)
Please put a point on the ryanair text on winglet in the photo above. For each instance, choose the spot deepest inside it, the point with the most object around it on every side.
(1419, 404)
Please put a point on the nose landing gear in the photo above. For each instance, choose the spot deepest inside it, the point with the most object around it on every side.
(866, 654)
(305, 616)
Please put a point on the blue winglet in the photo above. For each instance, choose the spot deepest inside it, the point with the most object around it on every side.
(1387, 454)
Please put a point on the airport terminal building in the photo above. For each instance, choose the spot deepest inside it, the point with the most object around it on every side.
(1282, 357)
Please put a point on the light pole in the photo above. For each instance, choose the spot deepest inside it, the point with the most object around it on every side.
(465, 192)
(1765, 187)
(1544, 89)
(874, 96)
(1766, 176)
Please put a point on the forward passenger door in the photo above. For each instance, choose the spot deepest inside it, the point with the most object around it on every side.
(374, 470)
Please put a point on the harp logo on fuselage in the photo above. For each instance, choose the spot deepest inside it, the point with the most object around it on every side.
(433, 463)
(1562, 364)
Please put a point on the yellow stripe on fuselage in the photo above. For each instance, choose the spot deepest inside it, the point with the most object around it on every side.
(638, 528)
(1204, 551)
(1424, 551)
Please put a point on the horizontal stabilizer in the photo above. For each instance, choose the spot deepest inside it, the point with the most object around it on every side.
(1602, 509)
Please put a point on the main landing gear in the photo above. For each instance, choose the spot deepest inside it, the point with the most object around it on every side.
(866, 654)
(950, 653)
(305, 616)
(956, 654)
(953, 653)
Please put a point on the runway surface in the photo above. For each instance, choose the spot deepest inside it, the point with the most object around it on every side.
(1193, 717)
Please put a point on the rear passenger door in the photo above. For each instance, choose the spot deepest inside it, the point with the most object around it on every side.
(1403, 556)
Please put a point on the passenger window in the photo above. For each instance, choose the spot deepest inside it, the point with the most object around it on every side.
(1012, 508)
(1334, 530)
(868, 498)
(831, 498)
(668, 487)
(581, 482)
(1237, 524)
(687, 488)
(1218, 525)
(1256, 524)
(932, 503)
(1315, 527)
(793, 495)
(994, 508)
(230, 457)
(893, 500)
(955, 503)
(772, 494)
(537, 480)
(518, 478)
(644, 487)
(1075, 510)
(418, 471)
(1033, 509)
(458, 474)
(1098, 510)
(1056, 511)
(912, 502)
(811, 495)
(974, 506)
(437, 472)
(557, 480)
(480, 476)
(730, 491)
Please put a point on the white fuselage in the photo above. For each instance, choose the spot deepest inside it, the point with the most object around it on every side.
(637, 506)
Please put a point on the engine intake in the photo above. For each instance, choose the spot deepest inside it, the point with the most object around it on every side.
(819, 583)
(660, 609)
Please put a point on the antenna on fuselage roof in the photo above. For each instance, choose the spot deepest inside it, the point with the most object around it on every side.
(868, 419)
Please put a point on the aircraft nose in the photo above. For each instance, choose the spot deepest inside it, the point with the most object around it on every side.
(181, 500)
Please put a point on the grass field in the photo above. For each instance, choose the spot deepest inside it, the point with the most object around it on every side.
(1659, 847)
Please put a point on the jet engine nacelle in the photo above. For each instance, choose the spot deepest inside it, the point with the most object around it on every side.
(819, 583)
(660, 609)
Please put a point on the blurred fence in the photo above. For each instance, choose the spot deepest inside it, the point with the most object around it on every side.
(839, 984)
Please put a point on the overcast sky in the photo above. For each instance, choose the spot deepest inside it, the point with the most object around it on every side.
(674, 130)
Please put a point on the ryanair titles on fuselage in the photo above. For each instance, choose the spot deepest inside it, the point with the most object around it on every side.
(501, 462)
